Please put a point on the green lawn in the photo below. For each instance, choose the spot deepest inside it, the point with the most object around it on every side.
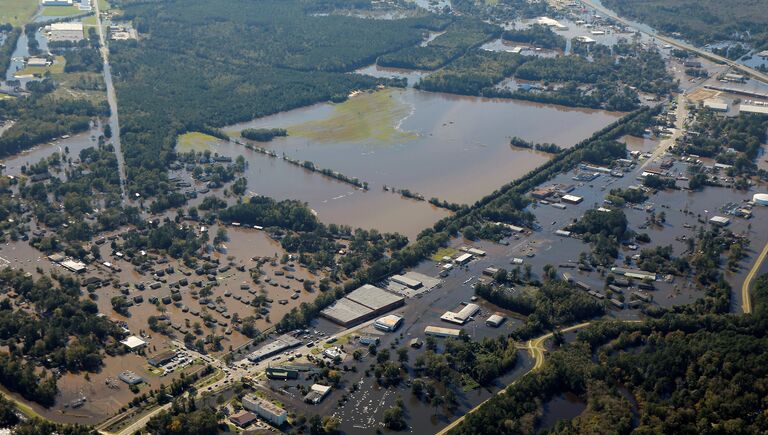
(17, 12)
(60, 11)
(444, 252)
(195, 141)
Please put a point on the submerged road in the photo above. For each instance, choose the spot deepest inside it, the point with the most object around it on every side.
(677, 43)
(112, 100)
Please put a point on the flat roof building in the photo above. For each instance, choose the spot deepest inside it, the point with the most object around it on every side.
(276, 346)
(404, 280)
(317, 393)
(719, 220)
(388, 323)
(134, 343)
(716, 105)
(265, 409)
(130, 377)
(65, 32)
(162, 358)
(571, 199)
(463, 259)
(361, 305)
(73, 266)
(462, 316)
(437, 331)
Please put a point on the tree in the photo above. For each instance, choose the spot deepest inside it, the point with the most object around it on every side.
(393, 418)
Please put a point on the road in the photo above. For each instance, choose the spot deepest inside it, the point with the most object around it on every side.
(535, 347)
(681, 113)
(746, 302)
(679, 44)
(112, 100)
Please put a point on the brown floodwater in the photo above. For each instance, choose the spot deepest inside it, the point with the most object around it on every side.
(73, 144)
(438, 145)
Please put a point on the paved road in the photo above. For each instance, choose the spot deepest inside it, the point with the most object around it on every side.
(679, 44)
(746, 303)
(112, 100)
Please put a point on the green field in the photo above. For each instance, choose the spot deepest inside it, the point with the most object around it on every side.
(60, 11)
(17, 12)
(195, 141)
(371, 115)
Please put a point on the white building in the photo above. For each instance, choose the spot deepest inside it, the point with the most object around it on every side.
(65, 32)
(462, 316)
(265, 409)
(437, 331)
(760, 198)
(56, 2)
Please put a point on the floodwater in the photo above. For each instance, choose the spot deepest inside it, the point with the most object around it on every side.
(562, 407)
(413, 76)
(74, 144)
(450, 147)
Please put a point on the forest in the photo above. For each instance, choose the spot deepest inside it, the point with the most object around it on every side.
(537, 36)
(473, 72)
(459, 37)
(42, 117)
(681, 373)
(301, 59)
(701, 21)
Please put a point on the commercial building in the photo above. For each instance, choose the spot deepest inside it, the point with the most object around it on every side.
(276, 346)
(243, 418)
(162, 358)
(751, 108)
(437, 331)
(716, 105)
(73, 266)
(550, 22)
(37, 61)
(463, 259)
(404, 280)
(495, 320)
(388, 323)
(719, 221)
(317, 393)
(462, 316)
(563, 233)
(130, 377)
(634, 273)
(760, 198)
(134, 343)
(65, 32)
(361, 305)
(281, 373)
(264, 409)
(571, 199)
(56, 2)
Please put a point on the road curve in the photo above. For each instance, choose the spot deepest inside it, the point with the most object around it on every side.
(746, 303)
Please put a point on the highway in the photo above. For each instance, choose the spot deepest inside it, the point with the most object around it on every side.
(112, 100)
(677, 43)
(746, 302)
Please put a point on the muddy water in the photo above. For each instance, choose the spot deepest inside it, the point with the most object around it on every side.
(445, 146)
(74, 144)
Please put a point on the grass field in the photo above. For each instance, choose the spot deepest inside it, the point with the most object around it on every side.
(17, 12)
(56, 68)
(369, 116)
(195, 141)
(60, 11)
(444, 252)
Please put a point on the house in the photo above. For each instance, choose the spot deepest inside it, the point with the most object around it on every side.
(134, 343)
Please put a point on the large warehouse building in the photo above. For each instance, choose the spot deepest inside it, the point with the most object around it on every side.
(361, 305)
